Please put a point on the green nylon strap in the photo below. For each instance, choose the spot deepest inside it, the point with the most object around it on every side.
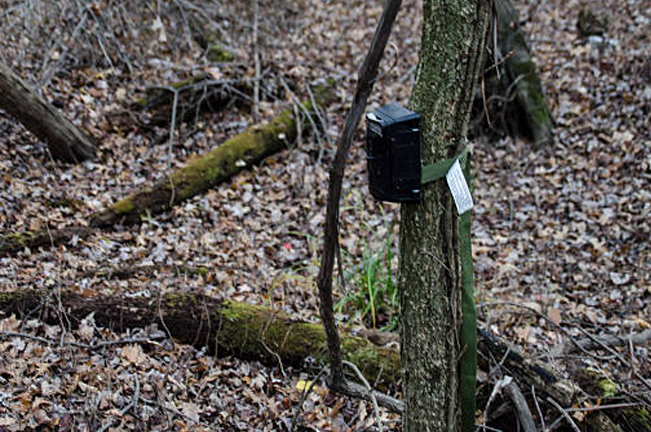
(468, 361)
(440, 169)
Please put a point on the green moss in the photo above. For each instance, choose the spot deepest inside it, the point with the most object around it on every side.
(123, 206)
(20, 239)
(248, 147)
(202, 271)
(140, 101)
(216, 53)
(325, 93)
(639, 418)
(608, 387)
(253, 331)
(234, 311)
(372, 360)
(64, 203)
(180, 301)
(16, 297)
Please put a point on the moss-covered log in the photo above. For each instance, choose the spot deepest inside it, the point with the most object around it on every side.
(527, 369)
(200, 174)
(521, 73)
(255, 332)
(64, 140)
(16, 242)
(633, 419)
(228, 328)
(203, 172)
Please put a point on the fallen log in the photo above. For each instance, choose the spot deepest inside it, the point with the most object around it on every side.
(16, 242)
(203, 172)
(64, 140)
(526, 369)
(200, 174)
(255, 332)
(226, 327)
(635, 418)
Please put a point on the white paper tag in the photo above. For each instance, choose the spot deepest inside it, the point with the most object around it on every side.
(459, 188)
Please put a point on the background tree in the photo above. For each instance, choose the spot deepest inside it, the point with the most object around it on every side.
(454, 33)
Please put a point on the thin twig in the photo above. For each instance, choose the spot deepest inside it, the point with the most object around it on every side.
(370, 391)
(608, 340)
(619, 357)
(256, 59)
(564, 413)
(304, 394)
(132, 404)
(546, 318)
(92, 347)
(521, 408)
(540, 414)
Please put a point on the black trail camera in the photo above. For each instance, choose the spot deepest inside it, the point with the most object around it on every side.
(393, 154)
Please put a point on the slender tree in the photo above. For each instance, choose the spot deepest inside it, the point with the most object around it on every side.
(454, 33)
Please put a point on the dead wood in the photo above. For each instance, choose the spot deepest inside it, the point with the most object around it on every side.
(522, 73)
(634, 418)
(16, 242)
(64, 140)
(199, 175)
(598, 342)
(255, 332)
(525, 368)
(227, 328)
(367, 75)
(194, 96)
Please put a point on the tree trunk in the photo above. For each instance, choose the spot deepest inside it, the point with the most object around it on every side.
(65, 141)
(454, 32)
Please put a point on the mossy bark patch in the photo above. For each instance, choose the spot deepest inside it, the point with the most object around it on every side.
(522, 73)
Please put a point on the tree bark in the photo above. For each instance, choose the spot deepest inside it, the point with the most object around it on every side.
(65, 141)
(454, 32)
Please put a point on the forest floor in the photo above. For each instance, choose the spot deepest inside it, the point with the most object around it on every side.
(560, 234)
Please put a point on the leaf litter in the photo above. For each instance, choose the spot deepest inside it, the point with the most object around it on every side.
(563, 230)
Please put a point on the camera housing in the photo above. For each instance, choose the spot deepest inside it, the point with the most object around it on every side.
(393, 154)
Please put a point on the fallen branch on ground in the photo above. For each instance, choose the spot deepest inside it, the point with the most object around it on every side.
(607, 340)
(64, 140)
(199, 175)
(195, 95)
(255, 332)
